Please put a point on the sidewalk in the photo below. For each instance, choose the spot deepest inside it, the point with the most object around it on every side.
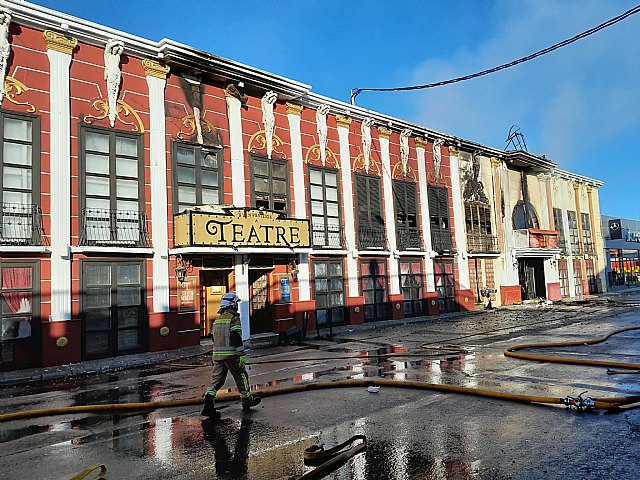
(114, 364)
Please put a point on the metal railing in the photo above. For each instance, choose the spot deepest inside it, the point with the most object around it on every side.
(328, 236)
(441, 241)
(409, 239)
(21, 224)
(113, 228)
(482, 244)
(372, 238)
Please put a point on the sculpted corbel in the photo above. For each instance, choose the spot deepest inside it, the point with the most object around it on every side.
(268, 119)
(365, 129)
(321, 128)
(113, 75)
(5, 47)
(404, 149)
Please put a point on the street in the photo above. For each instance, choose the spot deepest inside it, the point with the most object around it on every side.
(412, 434)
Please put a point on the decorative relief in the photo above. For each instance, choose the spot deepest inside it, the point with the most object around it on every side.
(5, 48)
(155, 69)
(365, 129)
(268, 119)
(113, 76)
(232, 91)
(314, 156)
(13, 88)
(473, 186)
(293, 109)
(122, 112)
(404, 149)
(343, 121)
(258, 142)
(207, 130)
(399, 174)
(59, 43)
(321, 128)
(435, 174)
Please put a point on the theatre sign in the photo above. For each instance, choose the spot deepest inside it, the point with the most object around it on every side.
(238, 227)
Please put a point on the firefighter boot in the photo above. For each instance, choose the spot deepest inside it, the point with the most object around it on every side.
(208, 409)
(250, 402)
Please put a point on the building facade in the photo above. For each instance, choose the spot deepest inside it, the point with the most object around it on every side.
(622, 251)
(142, 180)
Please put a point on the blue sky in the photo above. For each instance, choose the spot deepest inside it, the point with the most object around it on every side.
(579, 106)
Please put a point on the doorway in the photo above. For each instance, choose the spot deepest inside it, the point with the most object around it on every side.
(531, 278)
(213, 284)
(260, 308)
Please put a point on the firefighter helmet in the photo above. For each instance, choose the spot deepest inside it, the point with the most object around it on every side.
(229, 300)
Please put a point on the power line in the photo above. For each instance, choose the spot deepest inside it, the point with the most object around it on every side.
(356, 91)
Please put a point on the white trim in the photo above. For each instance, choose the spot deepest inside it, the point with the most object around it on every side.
(237, 151)
(424, 214)
(60, 180)
(159, 220)
(112, 250)
(389, 216)
(458, 219)
(242, 291)
(297, 164)
(236, 251)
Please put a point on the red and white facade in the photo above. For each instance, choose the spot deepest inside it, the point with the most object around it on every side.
(106, 137)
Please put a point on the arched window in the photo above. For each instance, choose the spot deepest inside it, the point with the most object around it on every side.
(524, 217)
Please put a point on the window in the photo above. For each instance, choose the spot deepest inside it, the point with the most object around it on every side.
(559, 226)
(197, 176)
(411, 285)
(373, 277)
(270, 184)
(18, 338)
(524, 216)
(112, 308)
(406, 204)
(20, 173)
(586, 233)
(325, 208)
(445, 285)
(112, 189)
(574, 235)
(328, 290)
(577, 275)
(479, 234)
(371, 231)
(591, 276)
(439, 219)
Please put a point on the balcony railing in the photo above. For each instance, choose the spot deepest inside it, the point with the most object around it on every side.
(562, 245)
(372, 238)
(113, 228)
(482, 244)
(328, 236)
(409, 239)
(441, 241)
(535, 238)
(21, 224)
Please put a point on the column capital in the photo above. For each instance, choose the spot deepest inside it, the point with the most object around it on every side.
(343, 121)
(384, 132)
(293, 108)
(496, 162)
(576, 186)
(153, 68)
(58, 42)
(421, 143)
(453, 150)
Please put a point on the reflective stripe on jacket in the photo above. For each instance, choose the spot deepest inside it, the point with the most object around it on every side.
(227, 335)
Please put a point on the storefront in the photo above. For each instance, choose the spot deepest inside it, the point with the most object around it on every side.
(622, 249)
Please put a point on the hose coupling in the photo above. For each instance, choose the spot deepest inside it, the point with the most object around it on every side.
(579, 403)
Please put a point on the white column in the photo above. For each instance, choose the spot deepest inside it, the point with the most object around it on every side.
(59, 51)
(389, 214)
(347, 206)
(156, 80)
(567, 237)
(242, 291)
(237, 151)
(458, 219)
(509, 273)
(424, 213)
(299, 193)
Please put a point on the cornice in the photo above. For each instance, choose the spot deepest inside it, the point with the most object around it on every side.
(155, 69)
(59, 42)
(293, 108)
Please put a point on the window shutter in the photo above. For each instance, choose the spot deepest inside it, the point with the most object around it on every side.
(375, 204)
(412, 199)
(362, 200)
(399, 195)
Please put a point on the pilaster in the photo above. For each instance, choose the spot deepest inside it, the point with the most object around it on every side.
(234, 105)
(389, 214)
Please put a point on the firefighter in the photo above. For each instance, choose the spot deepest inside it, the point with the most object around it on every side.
(228, 356)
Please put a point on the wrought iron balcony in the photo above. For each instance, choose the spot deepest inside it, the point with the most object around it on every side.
(562, 245)
(482, 244)
(409, 239)
(21, 224)
(113, 228)
(372, 238)
(441, 241)
(328, 236)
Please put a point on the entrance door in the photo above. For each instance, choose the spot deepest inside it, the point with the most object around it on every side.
(531, 276)
(213, 284)
(374, 289)
(445, 285)
(260, 311)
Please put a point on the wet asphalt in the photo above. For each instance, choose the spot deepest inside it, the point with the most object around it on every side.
(412, 434)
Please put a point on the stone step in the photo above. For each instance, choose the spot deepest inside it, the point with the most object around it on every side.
(264, 340)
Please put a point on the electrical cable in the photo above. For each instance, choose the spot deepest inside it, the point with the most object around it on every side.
(356, 91)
